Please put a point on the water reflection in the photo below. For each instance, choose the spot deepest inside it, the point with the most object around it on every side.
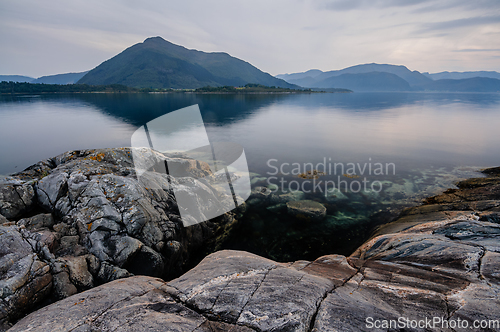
(433, 139)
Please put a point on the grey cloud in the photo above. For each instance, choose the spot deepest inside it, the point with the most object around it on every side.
(459, 23)
(488, 5)
(343, 5)
(479, 50)
(422, 6)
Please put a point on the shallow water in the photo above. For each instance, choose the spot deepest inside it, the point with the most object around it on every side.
(432, 140)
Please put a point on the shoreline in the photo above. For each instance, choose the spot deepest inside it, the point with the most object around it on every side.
(438, 259)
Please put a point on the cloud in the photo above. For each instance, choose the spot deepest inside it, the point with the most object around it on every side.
(478, 50)
(446, 5)
(460, 23)
(343, 5)
(54, 36)
(422, 6)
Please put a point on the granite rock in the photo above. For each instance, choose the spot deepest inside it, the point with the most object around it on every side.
(24, 279)
(437, 260)
(16, 197)
(86, 219)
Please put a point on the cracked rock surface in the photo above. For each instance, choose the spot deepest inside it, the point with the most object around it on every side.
(83, 218)
(440, 259)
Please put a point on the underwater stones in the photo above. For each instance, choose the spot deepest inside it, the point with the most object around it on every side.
(335, 195)
(278, 208)
(273, 187)
(343, 220)
(307, 209)
(291, 196)
(258, 180)
(259, 196)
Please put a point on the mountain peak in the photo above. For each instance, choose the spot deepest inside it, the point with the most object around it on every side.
(158, 63)
(154, 39)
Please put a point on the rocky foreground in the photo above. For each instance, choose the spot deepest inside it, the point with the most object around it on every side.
(440, 259)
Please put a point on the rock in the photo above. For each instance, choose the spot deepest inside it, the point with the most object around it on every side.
(24, 279)
(258, 181)
(85, 307)
(69, 245)
(51, 188)
(47, 238)
(259, 196)
(433, 269)
(99, 200)
(132, 304)
(292, 196)
(278, 208)
(109, 272)
(63, 286)
(104, 222)
(273, 187)
(78, 272)
(440, 259)
(245, 289)
(335, 195)
(93, 264)
(308, 210)
(345, 220)
(16, 197)
(37, 222)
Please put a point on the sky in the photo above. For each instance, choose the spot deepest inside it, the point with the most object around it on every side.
(48, 37)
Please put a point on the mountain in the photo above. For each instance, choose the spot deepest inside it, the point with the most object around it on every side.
(455, 75)
(158, 63)
(475, 84)
(414, 78)
(372, 81)
(312, 73)
(16, 78)
(69, 78)
(383, 77)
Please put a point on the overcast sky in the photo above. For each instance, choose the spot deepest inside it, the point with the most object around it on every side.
(278, 36)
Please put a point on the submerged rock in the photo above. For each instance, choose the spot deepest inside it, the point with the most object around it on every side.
(291, 196)
(308, 210)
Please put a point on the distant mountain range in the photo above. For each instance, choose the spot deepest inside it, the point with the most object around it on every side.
(16, 78)
(69, 78)
(384, 77)
(455, 75)
(382, 81)
(157, 63)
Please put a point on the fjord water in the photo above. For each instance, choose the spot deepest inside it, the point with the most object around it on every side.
(431, 139)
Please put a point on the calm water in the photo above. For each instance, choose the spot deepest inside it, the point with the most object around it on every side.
(431, 140)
